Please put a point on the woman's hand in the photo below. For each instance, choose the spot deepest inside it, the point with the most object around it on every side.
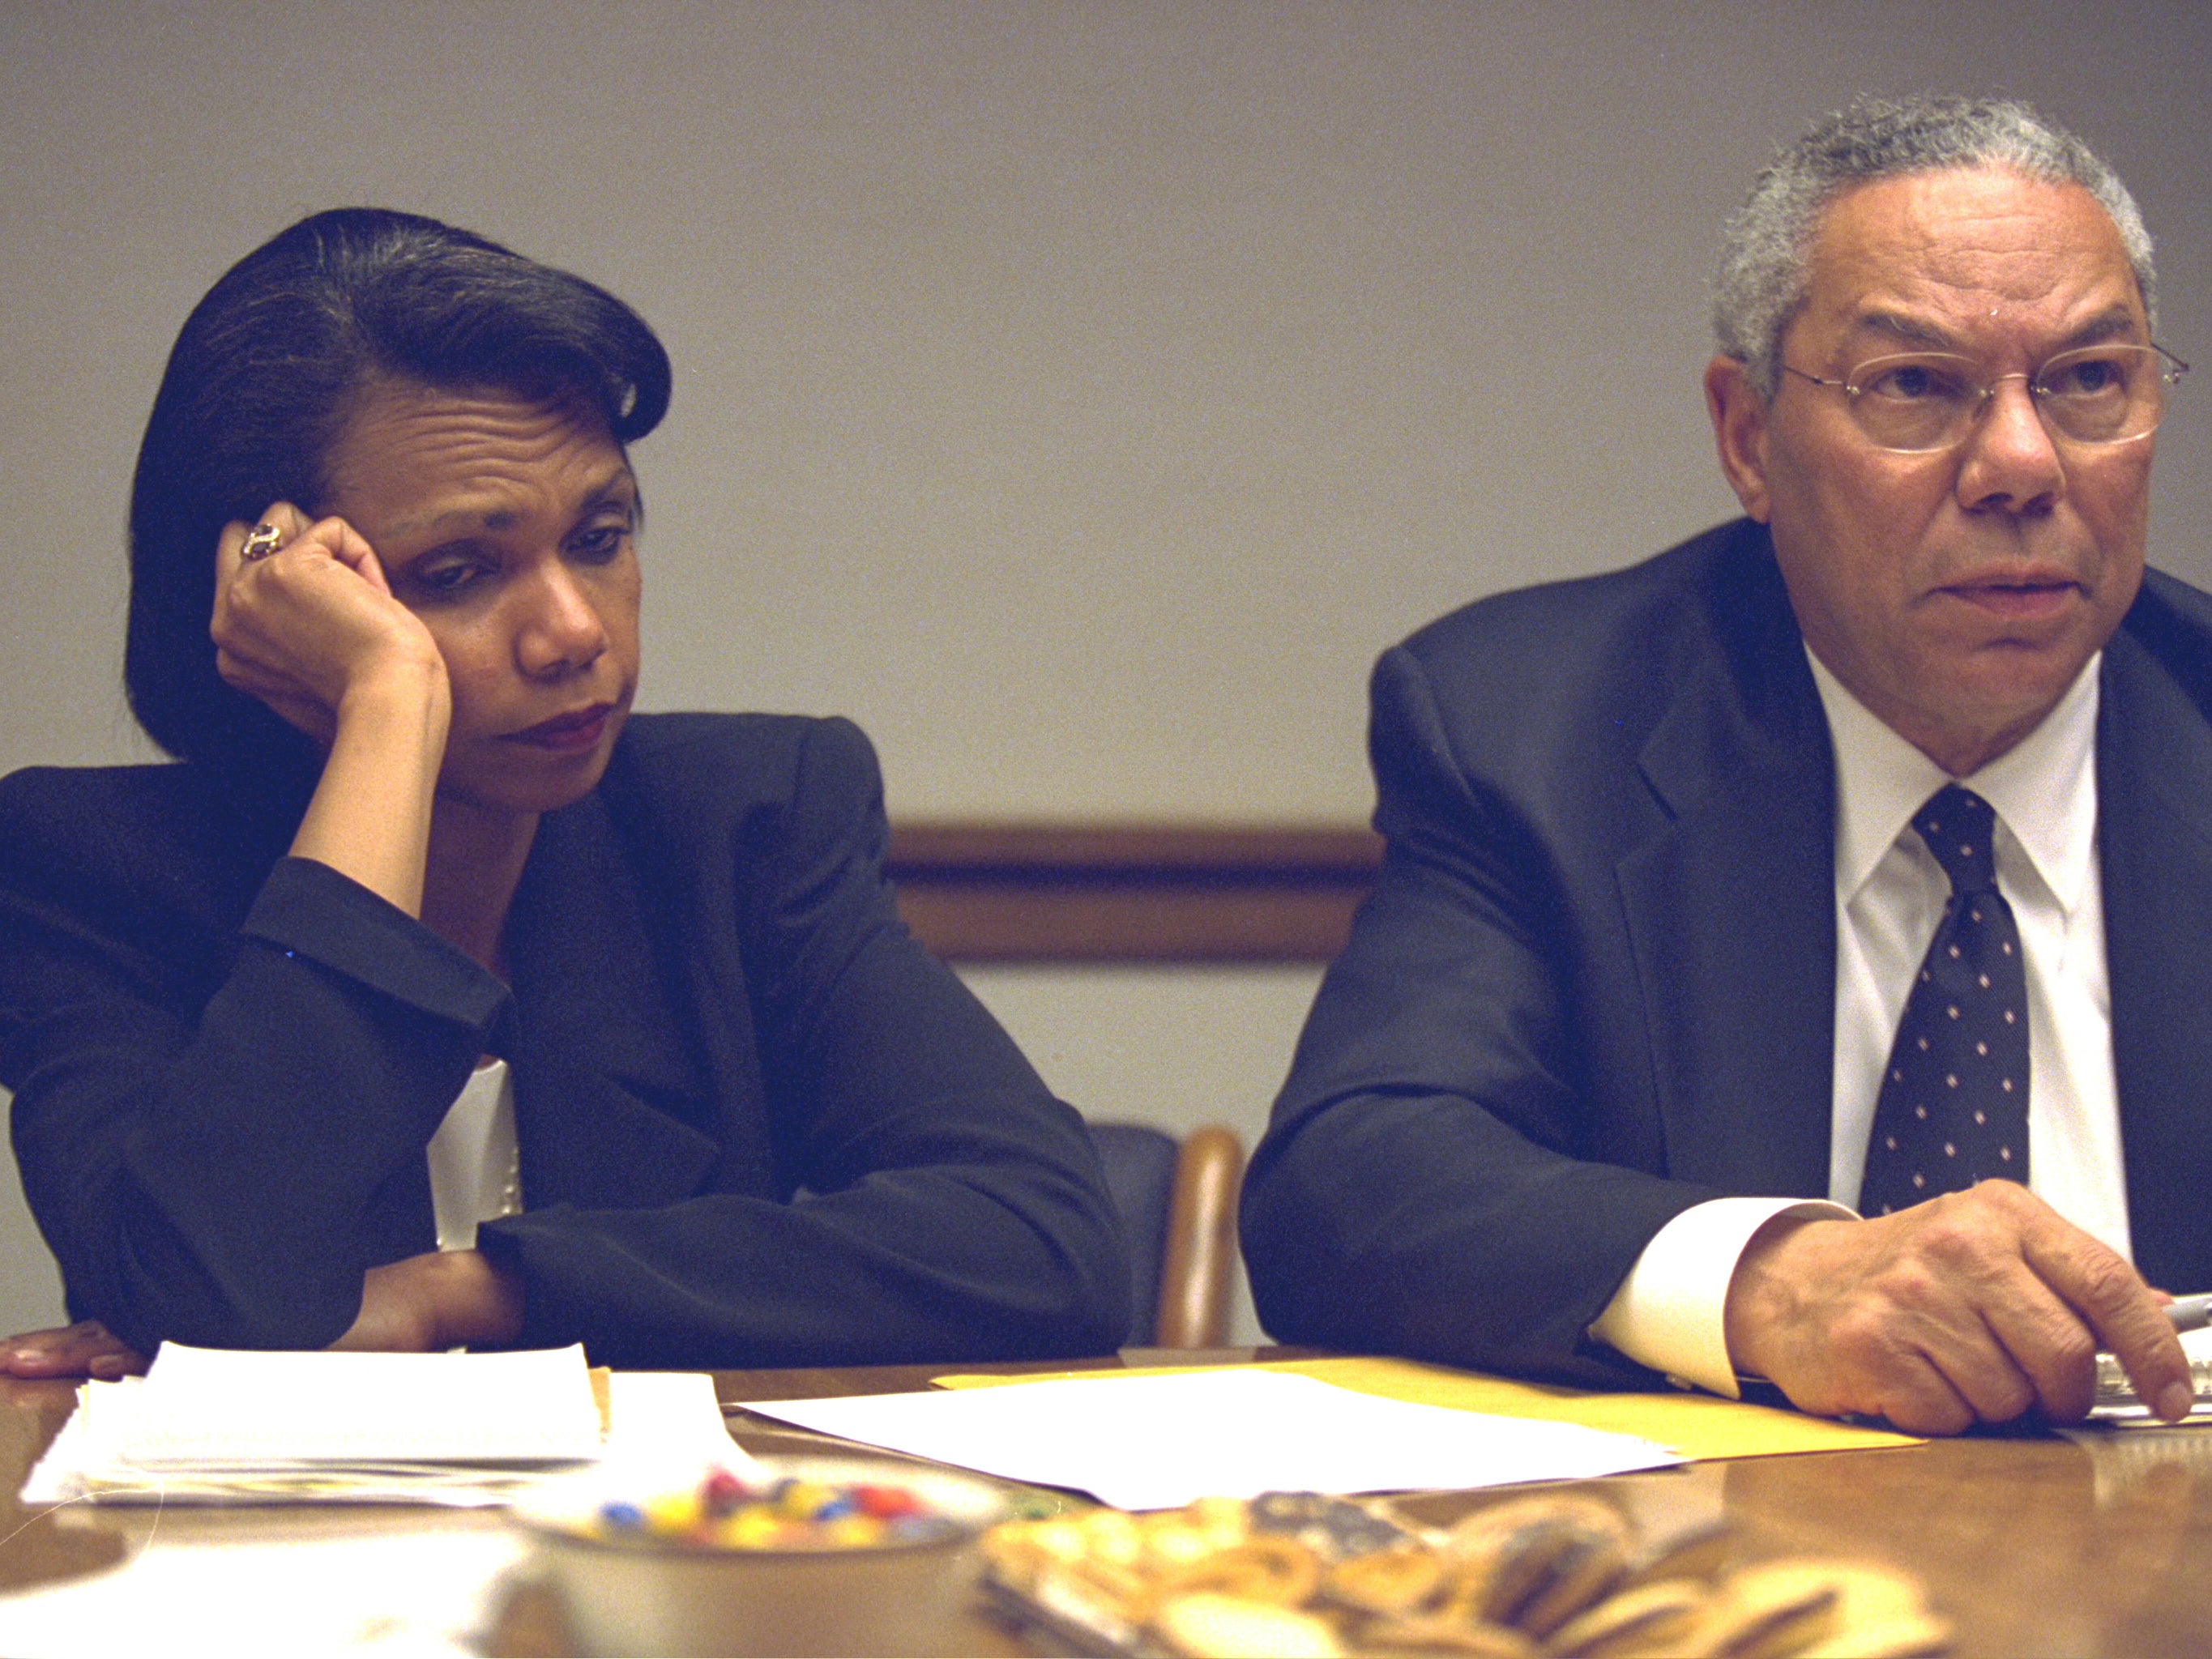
(71, 1351)
(423, 1305)
(304, 628)
(427, 1303)
(312, 630)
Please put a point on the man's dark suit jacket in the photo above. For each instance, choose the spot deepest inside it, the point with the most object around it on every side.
(1594, 984)
(759, 1124)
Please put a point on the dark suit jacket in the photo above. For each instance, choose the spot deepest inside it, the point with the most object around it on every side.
(1594, 984)
(759, 1124)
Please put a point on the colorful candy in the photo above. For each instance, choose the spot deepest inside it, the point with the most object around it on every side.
(886, 1502)
(724, 1512)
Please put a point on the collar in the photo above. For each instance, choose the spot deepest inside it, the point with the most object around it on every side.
(2044, 789)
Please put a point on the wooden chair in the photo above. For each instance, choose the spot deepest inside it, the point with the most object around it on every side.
(1178, 1204)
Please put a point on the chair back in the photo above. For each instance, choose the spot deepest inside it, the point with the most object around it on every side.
(1178, 1205)
(1141, 1166)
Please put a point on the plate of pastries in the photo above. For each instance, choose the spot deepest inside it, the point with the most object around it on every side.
(1542, 1576)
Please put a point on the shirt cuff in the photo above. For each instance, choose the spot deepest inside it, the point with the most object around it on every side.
(1670, 1312)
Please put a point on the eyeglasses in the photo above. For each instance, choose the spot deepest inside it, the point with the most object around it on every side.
(1920, 401)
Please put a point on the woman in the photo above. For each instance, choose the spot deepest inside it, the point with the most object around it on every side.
(384, 611)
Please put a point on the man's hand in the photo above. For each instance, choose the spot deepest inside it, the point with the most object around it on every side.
(1971, 1308)
(87, 1349)
(429, 1303)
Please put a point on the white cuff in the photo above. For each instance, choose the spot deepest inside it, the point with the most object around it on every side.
(1670, 1313)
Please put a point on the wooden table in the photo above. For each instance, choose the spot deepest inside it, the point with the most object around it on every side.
(2033, 1545)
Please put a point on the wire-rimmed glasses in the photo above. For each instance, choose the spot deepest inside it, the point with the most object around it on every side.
(1916, 402)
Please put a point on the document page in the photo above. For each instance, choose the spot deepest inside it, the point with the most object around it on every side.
(211, 1407)
(1149, 1442)
(664, 1428)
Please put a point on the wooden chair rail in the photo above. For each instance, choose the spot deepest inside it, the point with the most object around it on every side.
(1163, 892)
(1201, 1240)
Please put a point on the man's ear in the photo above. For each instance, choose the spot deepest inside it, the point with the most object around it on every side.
(1739, 414)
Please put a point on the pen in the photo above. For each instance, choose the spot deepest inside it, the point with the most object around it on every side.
(2190, 1313)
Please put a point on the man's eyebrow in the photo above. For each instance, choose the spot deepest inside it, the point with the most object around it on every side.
(1908, 331)
(2109, 324)
(2105, 326)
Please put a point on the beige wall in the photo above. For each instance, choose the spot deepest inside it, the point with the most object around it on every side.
(1077, 395)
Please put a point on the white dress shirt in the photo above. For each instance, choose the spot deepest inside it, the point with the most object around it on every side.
(1890, 895)
(476, 1164)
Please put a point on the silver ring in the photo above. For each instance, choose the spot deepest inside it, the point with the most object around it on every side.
(263, 540)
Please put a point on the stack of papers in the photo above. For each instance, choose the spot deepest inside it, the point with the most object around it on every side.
(466, 1429)
(1160, 1442)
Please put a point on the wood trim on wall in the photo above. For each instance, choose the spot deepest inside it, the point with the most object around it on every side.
(1159, 892)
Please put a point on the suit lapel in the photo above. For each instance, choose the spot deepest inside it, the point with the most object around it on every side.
(2154, 847)
(1730, 905)
(603, 1084)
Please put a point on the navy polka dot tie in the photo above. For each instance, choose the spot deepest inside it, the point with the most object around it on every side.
(1953, 1104)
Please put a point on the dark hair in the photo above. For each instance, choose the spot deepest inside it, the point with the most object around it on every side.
(258, 390)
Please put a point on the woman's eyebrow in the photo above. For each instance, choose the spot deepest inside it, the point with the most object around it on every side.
(619, 489)
(618, 484)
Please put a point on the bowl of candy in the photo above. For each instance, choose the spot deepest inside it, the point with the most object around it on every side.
(780, 1555)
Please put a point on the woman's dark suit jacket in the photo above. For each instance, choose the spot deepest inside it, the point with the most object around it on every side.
(759, 1124)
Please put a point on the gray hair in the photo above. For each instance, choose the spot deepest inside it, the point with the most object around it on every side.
(1768, 243)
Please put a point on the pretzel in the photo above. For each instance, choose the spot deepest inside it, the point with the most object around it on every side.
(1653, 1615)
(1436, 1633)
(1278, 1571)
(1766, 1612)
(1536, 1567)
(1391, 1581)
(1205, 1625)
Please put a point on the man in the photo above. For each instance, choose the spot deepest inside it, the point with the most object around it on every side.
(1668, 849)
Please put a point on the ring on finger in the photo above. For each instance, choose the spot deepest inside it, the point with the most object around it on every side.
(260, 542)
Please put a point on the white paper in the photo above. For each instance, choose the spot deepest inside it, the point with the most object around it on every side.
(412, 1594)
(668, 1422)
(1148, 1443)
(206, 1408)
(665, 1428)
